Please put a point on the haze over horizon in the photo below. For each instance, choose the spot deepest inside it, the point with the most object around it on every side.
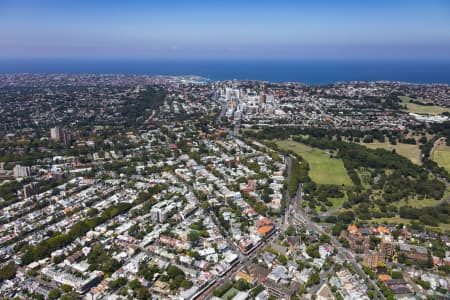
(231, 30)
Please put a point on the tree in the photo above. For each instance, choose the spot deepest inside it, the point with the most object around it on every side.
(66, 288)
(143, 294)
(325, 238)
(344, 243)
(134, 284)
(119, 282)
(313, 279)
(282, 259)
(257, 290)
(173, 271)
(290, 231)
(193, 236)
(54, 294)
(185, 284)
(242, 285)
(92, 212)
(313, 250)
(8, 271)
(70, 296)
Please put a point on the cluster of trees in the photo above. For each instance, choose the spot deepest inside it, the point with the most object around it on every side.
(340, 221)
(387, 292)
(54, 294)
(258, 206)
(242, 285)
(313, 250)
(430, 164)
(59, 240)
(256, 290)
(313, 279)
(176, 278)
(420, 102)
(427, 215)
(100, 259)
(139, 292)
(407, 180)
(299, 174)
(411, 141)
(326, 191)
(266, 191)
(151, 191)
(396, 176)
(136, 111)
(276, 133)
(8, 193)
(223, 223)
(219, 292)
(197, 230)
(118, 283)
(425, 284)
(8, 271)
(148, 271)
(393, 101)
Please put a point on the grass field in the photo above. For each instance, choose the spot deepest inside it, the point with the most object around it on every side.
(337, 202)
(229, 294)
(412, 152)
(441, 155)
(422, 109)
(324, 170)
(415, 202)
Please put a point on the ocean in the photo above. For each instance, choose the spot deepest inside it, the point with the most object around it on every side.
(306, 71)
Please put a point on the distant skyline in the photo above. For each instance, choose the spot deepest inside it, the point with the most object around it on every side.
(232, 29)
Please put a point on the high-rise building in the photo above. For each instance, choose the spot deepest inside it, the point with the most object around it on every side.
(60, 135)
(55, 134)
(21, 171)
(30, 189)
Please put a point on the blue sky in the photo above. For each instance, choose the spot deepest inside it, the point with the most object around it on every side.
(225, 29)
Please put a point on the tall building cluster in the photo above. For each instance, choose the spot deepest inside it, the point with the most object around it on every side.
(21, 171)
(60, 134)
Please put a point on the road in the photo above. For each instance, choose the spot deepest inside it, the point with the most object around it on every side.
(285, 218)
(246, 260)
(343, 253)
(294, 212)
(223, 108)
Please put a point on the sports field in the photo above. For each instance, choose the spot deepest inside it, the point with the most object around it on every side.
(423, 109)
(412, 152)
(441, 155)
(324, 169)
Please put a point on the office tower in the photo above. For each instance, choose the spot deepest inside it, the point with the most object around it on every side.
(21, 171)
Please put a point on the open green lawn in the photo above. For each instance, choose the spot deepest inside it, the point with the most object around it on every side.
(364, 176)
(422, 109)
(415, 202)
(441, 155)
(229, 294)
(337, 202)
(324, 170)
(412, 152)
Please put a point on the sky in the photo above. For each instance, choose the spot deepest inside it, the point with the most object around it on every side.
(260, 29)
